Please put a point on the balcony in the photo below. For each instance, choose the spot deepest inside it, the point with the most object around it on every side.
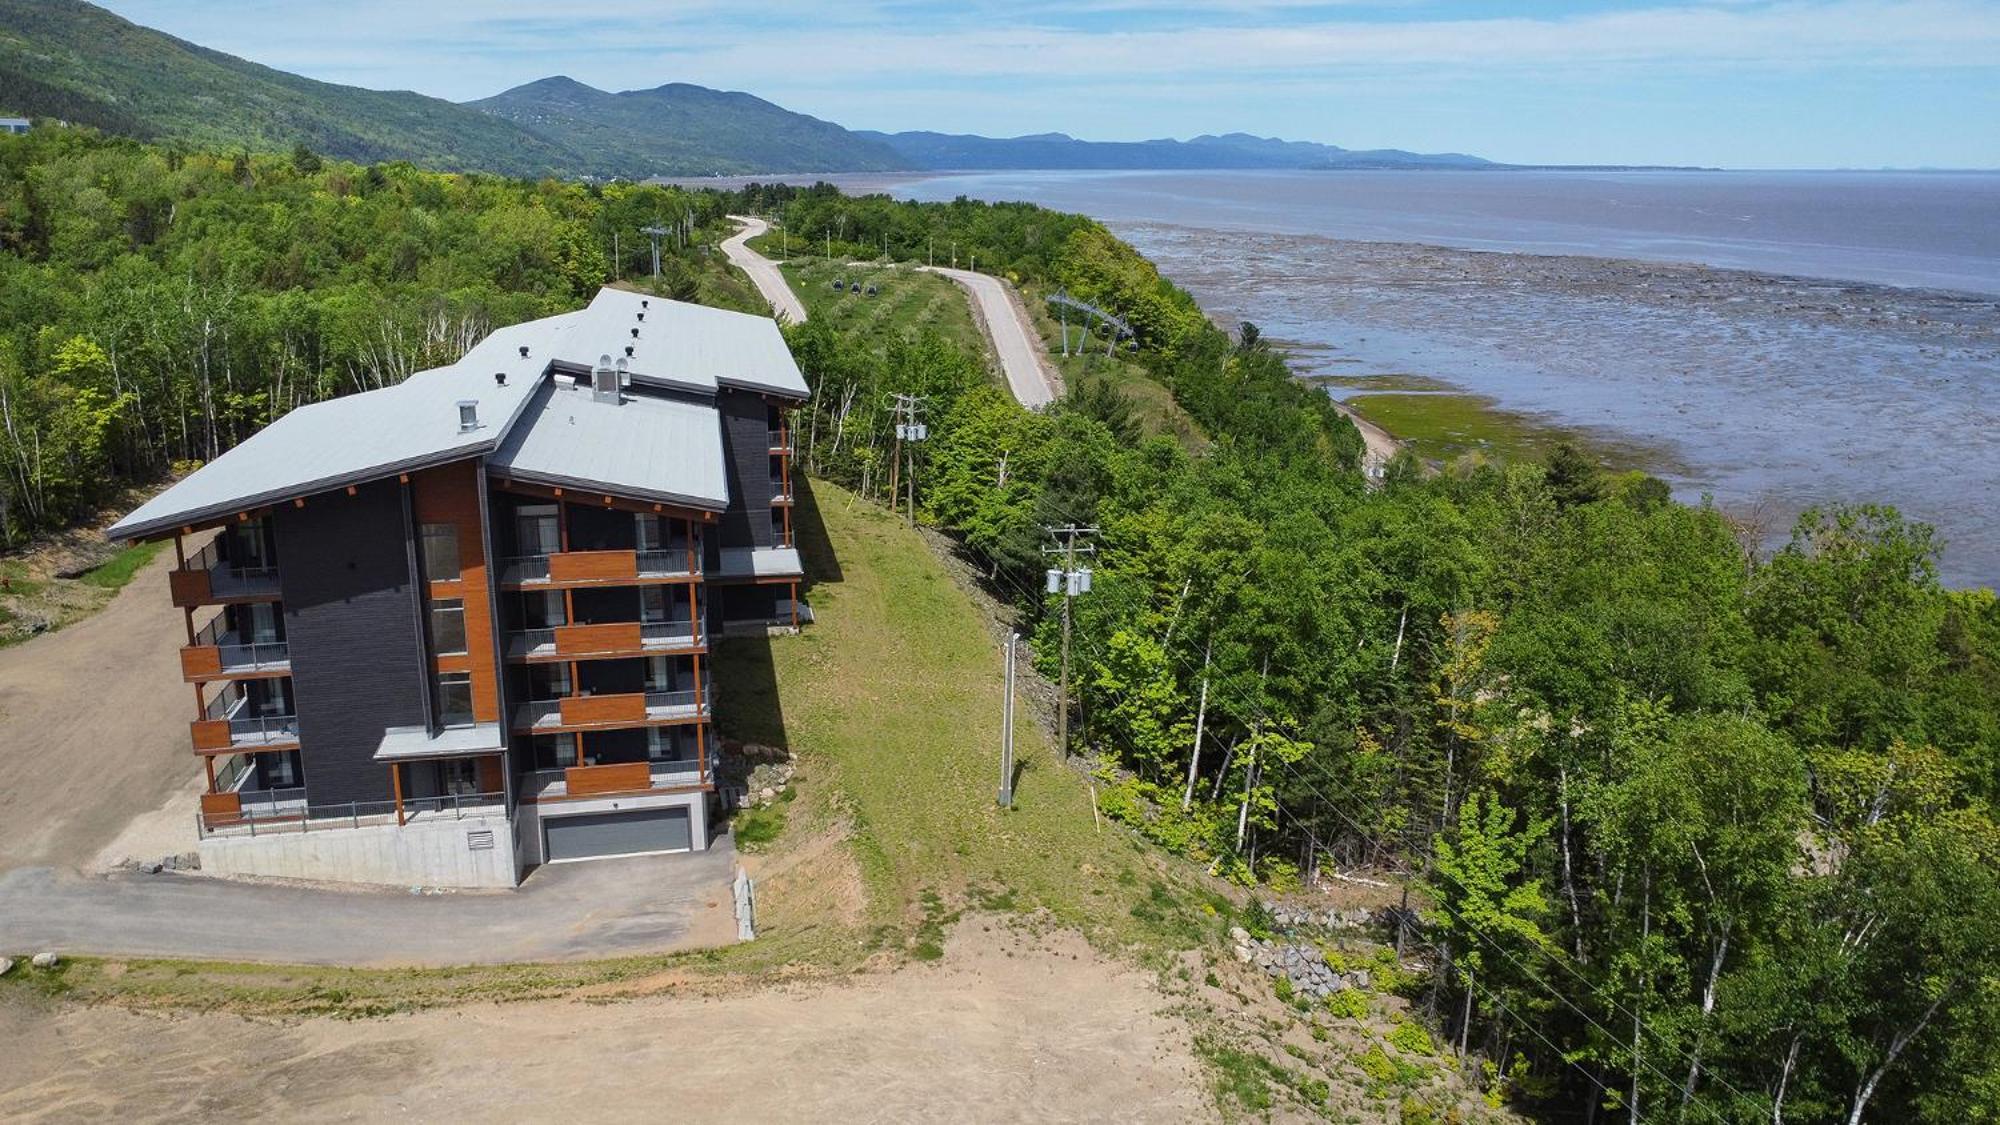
(219, 654)
(781, 492)
(576, 569)
(210, 579)
(781, 443)
(610, 712)
(230, 725)
(247, 814)
(620, 778)
(611, 639)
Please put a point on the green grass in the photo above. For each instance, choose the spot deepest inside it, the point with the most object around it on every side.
(1444, 427)
(755, 828)
(116, 571)
(908, 303)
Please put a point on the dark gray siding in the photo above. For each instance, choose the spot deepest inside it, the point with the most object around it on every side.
(746, 446)
(600, 529)
(357, 658)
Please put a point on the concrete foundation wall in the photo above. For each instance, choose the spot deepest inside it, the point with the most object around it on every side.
(434, 854)
(530, 817)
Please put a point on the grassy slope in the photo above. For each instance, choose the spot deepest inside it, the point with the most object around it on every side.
(910, 302)
(1154, 403)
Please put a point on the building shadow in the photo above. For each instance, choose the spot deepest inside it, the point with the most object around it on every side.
(809, 532)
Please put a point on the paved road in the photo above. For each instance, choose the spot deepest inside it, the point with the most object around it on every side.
(763, 272)
(565, 911)
(1022, 355)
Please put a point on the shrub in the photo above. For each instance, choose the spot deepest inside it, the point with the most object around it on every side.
(1411, 1038)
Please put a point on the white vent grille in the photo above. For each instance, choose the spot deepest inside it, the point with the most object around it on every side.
(479, 840)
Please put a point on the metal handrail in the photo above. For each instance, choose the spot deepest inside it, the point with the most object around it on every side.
(459, 806)
(674, 630)
(525, 568)
(255, 654)
(267, 728)
(665, 699)
(669, 561)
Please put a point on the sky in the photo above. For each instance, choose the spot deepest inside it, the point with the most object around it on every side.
(1727, 83)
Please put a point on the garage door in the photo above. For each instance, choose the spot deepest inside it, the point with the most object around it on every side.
(604, 834)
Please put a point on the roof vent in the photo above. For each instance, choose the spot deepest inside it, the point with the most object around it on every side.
(468, 415)
(643, 302)
(628, 351)
(524, 351)
(499, 378)
(642, 316)
(635, 333)
(604, 381)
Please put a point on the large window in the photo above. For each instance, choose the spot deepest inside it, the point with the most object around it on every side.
(448, 626)
(454, 699)
(438, 543)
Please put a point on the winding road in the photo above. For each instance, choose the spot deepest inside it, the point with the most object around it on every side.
(995, 306)
(763, 272)
(1019, 348)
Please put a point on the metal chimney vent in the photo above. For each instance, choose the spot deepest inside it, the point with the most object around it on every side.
(499, 378)
(604, 381)
(468, 415)
(524, 351)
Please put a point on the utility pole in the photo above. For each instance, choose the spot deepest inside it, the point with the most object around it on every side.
(617, 270)
(909, 429)
(829, 244)
(1068, 581)
(655, 232)
(1007, 729)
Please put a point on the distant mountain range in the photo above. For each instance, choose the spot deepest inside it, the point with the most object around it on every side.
(73, 60)
(962, 152)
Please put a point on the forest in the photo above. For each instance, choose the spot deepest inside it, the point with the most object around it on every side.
(1696, 830)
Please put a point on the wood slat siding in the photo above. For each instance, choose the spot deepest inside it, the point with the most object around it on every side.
(209, 734)
(200, 662)
(491, 774)
(450, 494)
(221, 808)
(624, 777)
(578, 710)
(616, 636)
(358, 663)
(594, 566)
(188, 587)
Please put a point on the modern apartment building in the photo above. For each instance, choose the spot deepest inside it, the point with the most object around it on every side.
(443, 631)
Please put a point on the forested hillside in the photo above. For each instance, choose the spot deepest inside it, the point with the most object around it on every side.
(1695, 834)
(157, 307)
(74, 61)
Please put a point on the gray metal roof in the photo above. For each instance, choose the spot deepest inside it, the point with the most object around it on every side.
(414, 424)
(405, 743)
(362, 437)
(759, 562)
(642, 448)
(685, 345)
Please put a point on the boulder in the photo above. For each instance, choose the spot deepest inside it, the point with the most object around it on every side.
(46, 959)
(6, 965)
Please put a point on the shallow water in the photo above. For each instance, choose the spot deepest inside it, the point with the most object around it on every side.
(1770, 392)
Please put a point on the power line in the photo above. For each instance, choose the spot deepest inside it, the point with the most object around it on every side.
(1070, 581)
(1596, 991)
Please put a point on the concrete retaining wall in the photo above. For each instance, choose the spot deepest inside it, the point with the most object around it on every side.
(438, 854)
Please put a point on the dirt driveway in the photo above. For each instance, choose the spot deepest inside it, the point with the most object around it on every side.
(1008, 1027)
(93, 734)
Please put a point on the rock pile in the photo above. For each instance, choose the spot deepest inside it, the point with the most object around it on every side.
(1329, 919)
(1302, 964)
(760, 772)
(183, 861)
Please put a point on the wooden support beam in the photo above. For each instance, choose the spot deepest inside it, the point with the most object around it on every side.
(396, 787)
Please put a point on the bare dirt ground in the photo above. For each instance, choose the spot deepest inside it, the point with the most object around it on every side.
(1009, 1026)
(88, 734)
